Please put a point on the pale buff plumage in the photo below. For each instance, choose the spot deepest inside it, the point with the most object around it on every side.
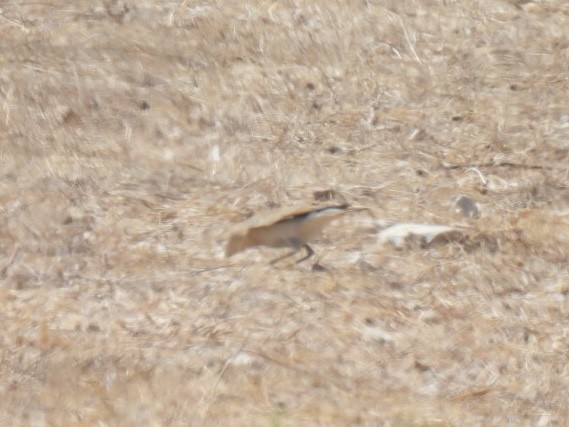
(290, 227)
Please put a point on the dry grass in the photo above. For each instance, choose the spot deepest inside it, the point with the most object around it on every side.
(133, 134)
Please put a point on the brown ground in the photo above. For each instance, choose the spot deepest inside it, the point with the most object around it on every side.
(133, 133)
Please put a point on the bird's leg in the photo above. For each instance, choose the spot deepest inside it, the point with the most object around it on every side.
(293, 243)
(285, 256)
(309, 253)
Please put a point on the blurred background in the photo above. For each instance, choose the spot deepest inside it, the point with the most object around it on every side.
(134, 134)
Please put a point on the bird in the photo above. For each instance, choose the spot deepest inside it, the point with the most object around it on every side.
(292, 227)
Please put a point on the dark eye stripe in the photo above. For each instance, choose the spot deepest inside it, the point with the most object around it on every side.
(306, 214)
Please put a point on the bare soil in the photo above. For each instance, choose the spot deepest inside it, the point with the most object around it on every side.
(133, 134)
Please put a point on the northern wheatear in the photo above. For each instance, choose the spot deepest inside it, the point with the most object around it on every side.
(287, 227)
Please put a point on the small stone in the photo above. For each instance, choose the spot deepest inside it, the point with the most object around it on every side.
(467, 207)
